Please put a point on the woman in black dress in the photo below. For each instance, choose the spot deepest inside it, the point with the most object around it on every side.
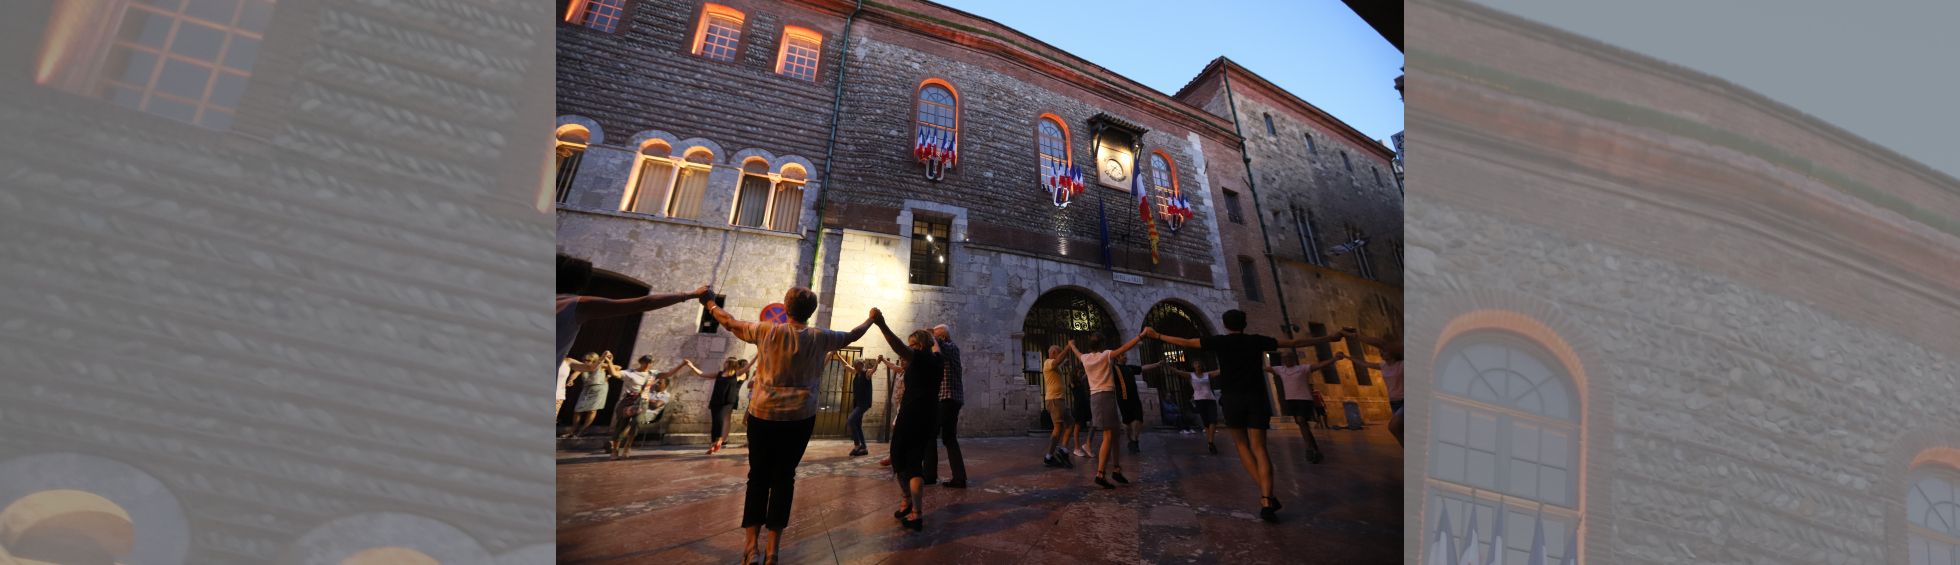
(723, 398)
(918, 412)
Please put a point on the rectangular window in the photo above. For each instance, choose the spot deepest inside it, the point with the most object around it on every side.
(722, 36)
(1311, 150)
(1349, 165)
(689, 187)
(1361, 262)
(799, 57)
(1232, 207)
(1269, 125)
(752, 202)
(656, 176)
(569, 156)
(183, 60)
(1249, 278)
(786, 208)
(1323, 352)
(602, 15)
(1309, 242)
(1378, 175)
(930, 251)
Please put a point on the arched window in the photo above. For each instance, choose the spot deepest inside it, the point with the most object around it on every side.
(939, 111)
(769, 201)
(1163, 181)
(649, 190)
(1505, 439)
(1053, 139)
(720, 33)
(786, 206)
(571, 150)
(798, 57)
(1933, 515)
(752, 201)
(690, 184)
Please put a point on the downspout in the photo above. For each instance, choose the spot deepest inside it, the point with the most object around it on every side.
(830, 149)
(1279, 293)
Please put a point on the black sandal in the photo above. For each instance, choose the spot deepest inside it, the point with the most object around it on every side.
(1269, 513)
(1105, 484)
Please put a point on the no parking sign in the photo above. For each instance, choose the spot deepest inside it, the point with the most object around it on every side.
(775, 313)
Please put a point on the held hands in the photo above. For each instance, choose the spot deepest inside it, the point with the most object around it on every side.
(877, 317)
(1340, 356)
(706, 295)
(1150, 333)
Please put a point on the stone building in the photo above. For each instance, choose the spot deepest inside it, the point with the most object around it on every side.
(696, 148)
(273, 283)
(1695, 324)
(1320, 184)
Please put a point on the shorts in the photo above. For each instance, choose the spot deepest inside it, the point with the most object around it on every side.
(1207, 410)
(1102, 411)
(1247, 411)
(1058, 413)
(1299, 408)
(1131, 409)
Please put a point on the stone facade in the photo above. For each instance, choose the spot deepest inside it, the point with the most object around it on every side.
(1009, 244)
(1754, 313)
(1360, 193)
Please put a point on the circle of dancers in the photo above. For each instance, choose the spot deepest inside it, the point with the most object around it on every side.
(785, 376)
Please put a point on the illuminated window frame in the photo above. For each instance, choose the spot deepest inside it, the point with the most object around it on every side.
(715, 38)
(1164, 181)
(796, 61)
(1052, 165)
(639, 186)
(84, 39)
(779, 182)
(921, 105)
(602, 15)
(570, 151)
(1923, 542)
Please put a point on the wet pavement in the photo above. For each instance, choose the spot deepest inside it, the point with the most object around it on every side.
(675, 505)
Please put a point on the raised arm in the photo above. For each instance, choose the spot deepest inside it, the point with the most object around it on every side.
(581, 366)
(1127, 346)
(687, 364)
(593, 307)
(740, 328)
(898, 345)
(1395, 346)
(1173, 340)
(1308, 341)
(1316, 367)
(1339, 355)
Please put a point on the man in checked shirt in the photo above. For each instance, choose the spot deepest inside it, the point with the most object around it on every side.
(951, 397)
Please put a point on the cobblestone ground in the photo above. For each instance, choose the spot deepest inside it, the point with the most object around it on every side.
(675, 505)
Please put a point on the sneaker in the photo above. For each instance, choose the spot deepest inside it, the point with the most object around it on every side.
(1051, 461)
(1080, 453)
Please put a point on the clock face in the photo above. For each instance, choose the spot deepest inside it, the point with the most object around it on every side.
(1113, 169)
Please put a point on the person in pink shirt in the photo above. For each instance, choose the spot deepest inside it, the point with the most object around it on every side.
(1297, 380)
(1391, 368)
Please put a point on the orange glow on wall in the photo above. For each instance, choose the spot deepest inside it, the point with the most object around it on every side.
(798, 68)
(56, 523)
(389, 556)
(74, 30)
(1947, 456)
(708, 12)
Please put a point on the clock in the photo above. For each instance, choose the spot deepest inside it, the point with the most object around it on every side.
(1113, 169)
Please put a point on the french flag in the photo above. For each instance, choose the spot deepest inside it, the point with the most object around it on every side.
(951, 153)
(919, 146)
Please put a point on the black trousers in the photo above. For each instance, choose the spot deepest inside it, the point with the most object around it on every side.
(949, 434)
(718, 420)
(775, 448)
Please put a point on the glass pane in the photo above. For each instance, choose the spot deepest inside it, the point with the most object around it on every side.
(1524, 441)
(1483, 432)
(145, 28)
(138, 65)
(1485, 357)
(1456, 374)
(1449, 463)
(1551, 486)
(125, 97)
(172, 109)
(936, 94)
(1482, 471)
(183, 79)
(215, 119)
(1920, 553)
(1552, 450)
(198, 41)
(255, 16)
(229, 89)
(1524, 478)
(1049, 128)
(243, 51)
(1452, 425)
(220, 11)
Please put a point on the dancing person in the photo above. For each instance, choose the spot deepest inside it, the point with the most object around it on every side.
(1099, 367)
(1244, 400)
(1203, 400)
(574, 310)
(1052, 386)
(951, 396)
(635, 403)
(898, 393)
(593, 385)
(1297, 380)
(782, 408)
(1129, 403)
(1319, 409)
(566, 370)
(724, 397)
(860, 372)
(1084, 422)
(1391, 347)
(912, 437)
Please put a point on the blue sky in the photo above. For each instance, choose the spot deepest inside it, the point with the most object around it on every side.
(1317, 49)
(1881, 69)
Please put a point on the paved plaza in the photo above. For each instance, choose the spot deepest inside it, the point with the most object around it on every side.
(675, 505)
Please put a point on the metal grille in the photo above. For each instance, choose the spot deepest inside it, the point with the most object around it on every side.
(1056, 318)
(1173, 319)
(834, 397)
(568, 160)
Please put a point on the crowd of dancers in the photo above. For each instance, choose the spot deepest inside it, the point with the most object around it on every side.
(785, 375)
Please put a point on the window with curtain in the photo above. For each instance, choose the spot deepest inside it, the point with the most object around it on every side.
(1504, 438)
(690, 185)
(938, 111)
(786, 207)
(656, 177)
(569, 156)
(1933, 515)
(1054, 148)
(752, 201)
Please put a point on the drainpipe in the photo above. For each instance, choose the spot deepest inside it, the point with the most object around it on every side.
(830, 150)
(1279, 293)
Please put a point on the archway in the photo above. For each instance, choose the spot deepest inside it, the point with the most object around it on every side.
(617, 335)
(64, 526)
(76, 509)
(1174, 319)
(1059, 316)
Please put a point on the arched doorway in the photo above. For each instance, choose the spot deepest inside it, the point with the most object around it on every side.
(1175, 320)
(617, 335)
(1060, 315)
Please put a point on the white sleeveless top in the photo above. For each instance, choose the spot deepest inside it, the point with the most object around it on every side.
(1201, 387)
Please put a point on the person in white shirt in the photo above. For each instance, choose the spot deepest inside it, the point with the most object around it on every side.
(632, 410)
(1203, 400)
(1297, 379)
(1098, 366)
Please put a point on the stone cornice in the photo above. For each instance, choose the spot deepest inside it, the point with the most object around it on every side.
(1244, 79)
